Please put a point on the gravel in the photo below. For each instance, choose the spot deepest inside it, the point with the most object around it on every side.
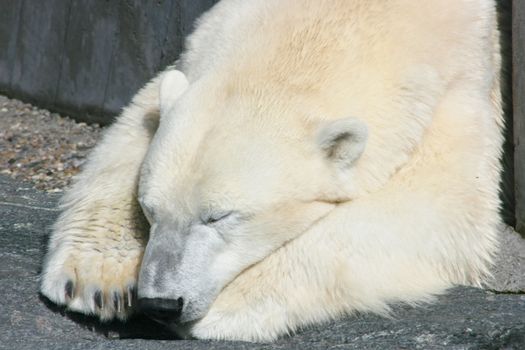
(41, 147)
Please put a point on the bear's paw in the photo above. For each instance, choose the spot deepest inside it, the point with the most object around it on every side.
(93, 268)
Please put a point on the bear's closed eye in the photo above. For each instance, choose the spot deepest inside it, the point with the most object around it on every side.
(215, 217)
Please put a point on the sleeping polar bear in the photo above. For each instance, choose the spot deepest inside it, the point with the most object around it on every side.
(303, 160)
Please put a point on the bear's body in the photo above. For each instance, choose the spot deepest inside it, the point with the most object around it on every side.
(413, 214)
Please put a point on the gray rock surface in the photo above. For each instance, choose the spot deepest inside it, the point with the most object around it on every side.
(465, 318)
(509, 269)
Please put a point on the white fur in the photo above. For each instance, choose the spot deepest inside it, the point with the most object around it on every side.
(413, 212)
(173, 84)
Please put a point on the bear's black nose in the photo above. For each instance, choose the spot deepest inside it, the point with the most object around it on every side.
(162, 310)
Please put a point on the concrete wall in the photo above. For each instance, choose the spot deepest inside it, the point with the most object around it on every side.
(518, 78)
(88, 57)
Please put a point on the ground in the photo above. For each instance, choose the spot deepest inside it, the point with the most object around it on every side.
(465, 318)
(42, 147)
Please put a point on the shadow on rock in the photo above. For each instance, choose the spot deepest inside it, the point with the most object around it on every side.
(137, 327)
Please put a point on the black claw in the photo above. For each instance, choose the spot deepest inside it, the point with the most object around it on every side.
(69, 289)
(117, 301)
(98, 299)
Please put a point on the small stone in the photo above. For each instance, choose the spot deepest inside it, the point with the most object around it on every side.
(112, 334)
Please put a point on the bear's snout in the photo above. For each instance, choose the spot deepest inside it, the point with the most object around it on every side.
(165, 311)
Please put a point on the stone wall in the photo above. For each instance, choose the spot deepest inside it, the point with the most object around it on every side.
(88, 58)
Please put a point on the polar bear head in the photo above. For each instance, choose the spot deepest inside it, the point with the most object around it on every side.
(229, 178)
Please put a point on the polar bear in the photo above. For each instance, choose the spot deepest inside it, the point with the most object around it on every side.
(303, 160)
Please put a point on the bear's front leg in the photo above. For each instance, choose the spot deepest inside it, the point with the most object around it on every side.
(94, 257)
(96, 247)
(353, 260)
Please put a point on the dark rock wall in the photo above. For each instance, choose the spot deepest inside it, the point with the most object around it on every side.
(518, 78)
(87, 58)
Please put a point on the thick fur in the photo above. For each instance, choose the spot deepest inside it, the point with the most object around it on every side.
(417, 213)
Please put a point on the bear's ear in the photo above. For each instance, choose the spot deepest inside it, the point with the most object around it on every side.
(173, 84)
(343, 141)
